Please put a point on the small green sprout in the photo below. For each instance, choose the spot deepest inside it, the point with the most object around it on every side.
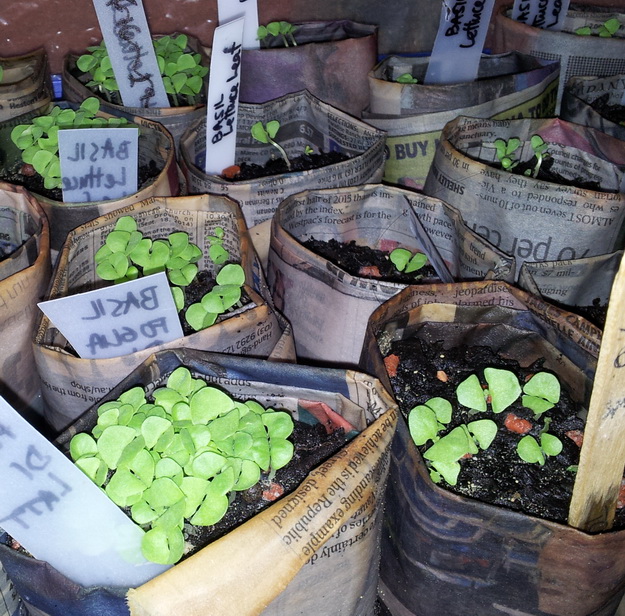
(407, 262)
(265, 134)
(182, 72)
(605, 30)
(406, 78)
(277, 28)
(540, 151)
(425, 421)
(39, 139)
(541, 393)
(179, 459)
(505, 150)
(308, 150)
(530, 450)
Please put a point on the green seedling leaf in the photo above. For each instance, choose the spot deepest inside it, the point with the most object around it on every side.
(142, 465)
(416, 263)
(163, 492)
(113, 268)
(197, 317)
(450, 447)
(181, 413)
(253, 425)
(449, 471)
(130, 451)
(142, 513)
(207, 464)
(544, 385)
(112, 442)
(167, 397)
(124, 488)
(208, 403)
(153, 428)
(400, 257)
(172, 517)
(166, 467)
(550, 444)
(200, 436)
(281, 452)
(261, 452)
(471, 394)
(248, 476)
(82, 445)
(536, 404)
(212, 509)
(194, 489)
(178, 295)
(530, 451)
(484, 432)
(164, 546)
(181, 380)
(231, 274)
(225, 426)
(279, 424)
(94, 468)
(423, 425)
(242, 444)
(218, 254)
(503, 386)
(134, 396)
(406, 78)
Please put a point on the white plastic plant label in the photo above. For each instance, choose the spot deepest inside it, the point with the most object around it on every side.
(129, 44)
(545, 14)
(248, 9)
(117, 320)
(459, 41)
(223, 97)
(59, 515)
(98, 164)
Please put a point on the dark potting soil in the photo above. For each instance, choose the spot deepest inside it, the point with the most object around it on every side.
(277, 165)
(595, 312)
(614, 113)
(313, 445)
(497, 475)
(365, 261)
(26, 176)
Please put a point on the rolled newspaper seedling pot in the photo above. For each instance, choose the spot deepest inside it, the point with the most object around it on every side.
(331, 60)
(304, 121)
(25, 85)
(71, 384)
(578, 55)
(157, 156)
(305, 283)
(291, 555)
(575, 214)
(413, 114)
(581, 98)
(439, 547)
(175, 119)
(24, 277)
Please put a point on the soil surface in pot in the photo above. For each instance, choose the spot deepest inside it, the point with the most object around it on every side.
(419, 371)
(614, 113)
(366, 262)
(24, 175)
(277, 165)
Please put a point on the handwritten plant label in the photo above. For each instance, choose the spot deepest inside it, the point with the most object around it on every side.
(545, 14)
(59, 515)
(248, 9)
(98, 163)
(117, 320)
(459, 41)
(223, 97)
(129, 45)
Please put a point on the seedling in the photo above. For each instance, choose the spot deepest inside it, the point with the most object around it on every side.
(407, 262)
(530, 450)
(605, 30)
(540, 151)
(283, 29)
(180, 457)
(427, 420)
(505, 150)
(265, 134)
(126, 254)
(39, 140)
(406, 78)
(182, 72)
(308, 150)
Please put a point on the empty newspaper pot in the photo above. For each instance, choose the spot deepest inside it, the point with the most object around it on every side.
(25, 85)
(24, 277)
(581, 102)
(71, 384)
(304, 121)
(578, 55)
(509, 85)
(304, 284)
(175, 119)
(157, 158)
(331, 60)
(447, 553)
(576, 213)
(289, 557)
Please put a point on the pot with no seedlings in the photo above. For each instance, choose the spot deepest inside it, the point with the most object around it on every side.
(330, 59)
(443, 549)
(293, 553)
(184, 67)
(35, 138)
(213, 229)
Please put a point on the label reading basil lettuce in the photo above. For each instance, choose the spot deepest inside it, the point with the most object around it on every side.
(544, 14)
(459, 42)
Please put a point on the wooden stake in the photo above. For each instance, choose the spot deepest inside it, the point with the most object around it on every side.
(602, 459)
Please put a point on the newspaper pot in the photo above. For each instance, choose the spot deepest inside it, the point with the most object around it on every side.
(24, 277)
(175, 119)
(290, 557)
(156, 152)
(531, 219)
(304, 284)
(578, 55)
(579, 102)
(446, 552)
(25, 85)
(509, 85)
(71, 384)
(304, 120)
(331, 60)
